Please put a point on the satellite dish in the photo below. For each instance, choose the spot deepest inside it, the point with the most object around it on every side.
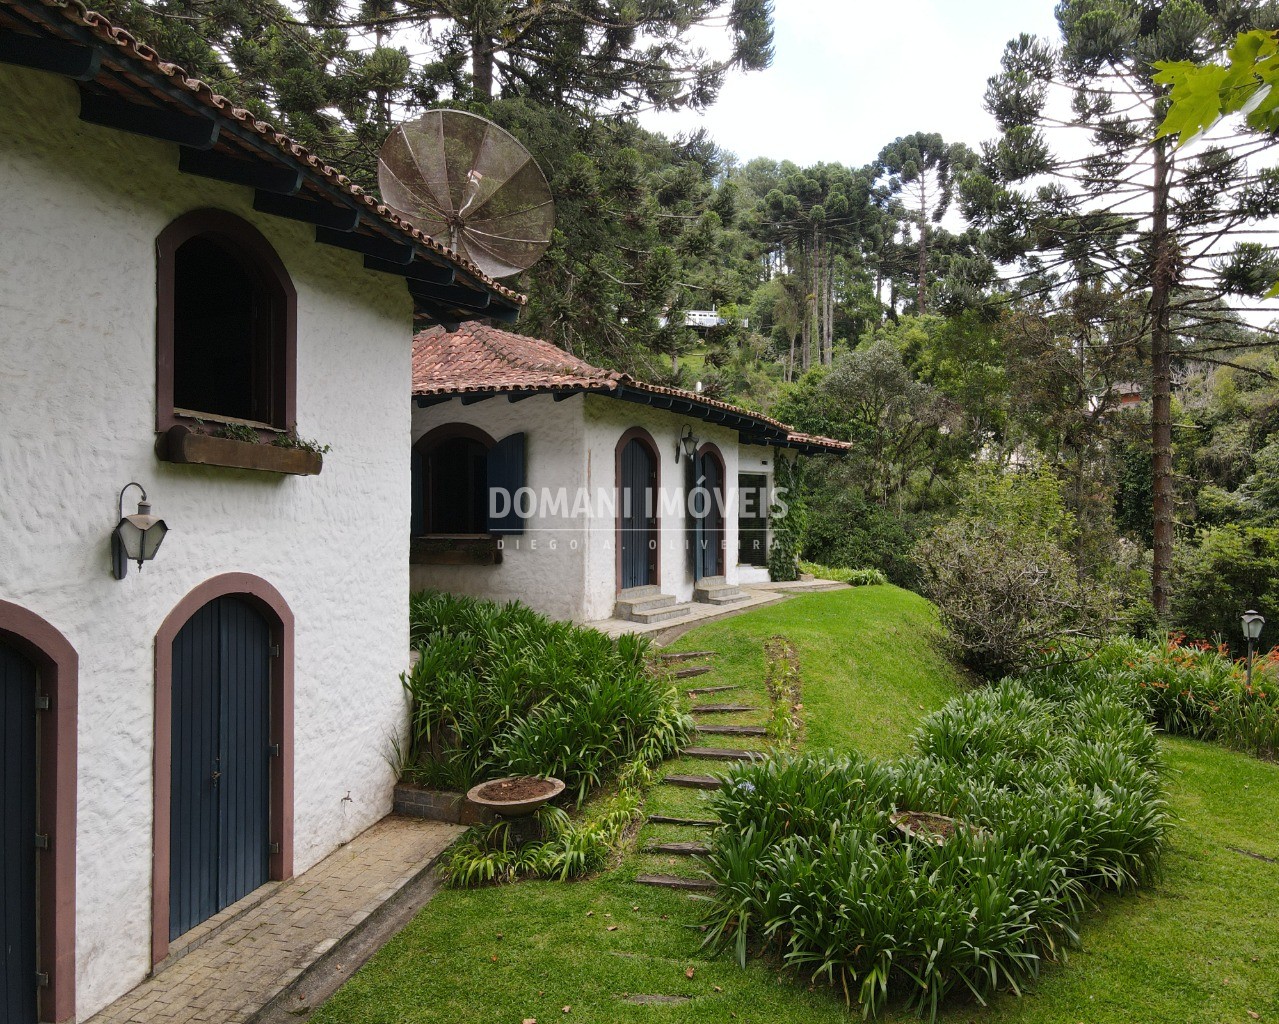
(471, 186)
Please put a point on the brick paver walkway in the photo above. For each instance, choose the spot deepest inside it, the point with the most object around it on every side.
(231, 975)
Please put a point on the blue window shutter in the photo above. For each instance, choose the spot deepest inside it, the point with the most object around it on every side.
(692, 525)
(506, 472)
(419, 494)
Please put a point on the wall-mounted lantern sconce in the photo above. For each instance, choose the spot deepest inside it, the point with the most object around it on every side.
(137, 537)
(687, 445)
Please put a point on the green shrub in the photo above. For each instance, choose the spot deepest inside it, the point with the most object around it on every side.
(1002, 578)
(847, 528)
(501, 690)
(486, 855)
(1183, 688)
(1059, 797)
(1232, 568)
(787, 522)
(853, 577)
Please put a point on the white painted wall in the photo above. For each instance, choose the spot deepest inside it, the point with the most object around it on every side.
(607, 419)
(80, 208)
(544, 568)
(566, 566)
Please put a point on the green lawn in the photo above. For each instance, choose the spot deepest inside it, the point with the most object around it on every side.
(1201, 946)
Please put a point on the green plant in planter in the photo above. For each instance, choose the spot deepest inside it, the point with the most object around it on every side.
(237, 432)
(292, 439)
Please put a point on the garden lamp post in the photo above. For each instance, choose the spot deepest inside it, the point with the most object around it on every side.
(1252, 623)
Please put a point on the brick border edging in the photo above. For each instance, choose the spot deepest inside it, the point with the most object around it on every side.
(438, 805)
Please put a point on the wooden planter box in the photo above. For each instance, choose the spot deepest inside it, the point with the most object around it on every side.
(183, 445)
(456, 549)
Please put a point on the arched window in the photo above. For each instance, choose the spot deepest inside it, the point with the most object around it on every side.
(455, 469)
(226, 325)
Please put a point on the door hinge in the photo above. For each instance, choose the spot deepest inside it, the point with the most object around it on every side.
(273, 750)
(273, 847)
(42, 842)
(42, 979)
(274, 650)
(42, 702)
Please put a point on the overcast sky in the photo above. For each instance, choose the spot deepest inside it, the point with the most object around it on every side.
(852, 75)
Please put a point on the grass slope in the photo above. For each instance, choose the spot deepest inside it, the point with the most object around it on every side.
(1202, 946)
(867, 659)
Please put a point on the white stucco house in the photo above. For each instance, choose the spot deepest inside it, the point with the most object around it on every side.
(172, 270)
(581, 491)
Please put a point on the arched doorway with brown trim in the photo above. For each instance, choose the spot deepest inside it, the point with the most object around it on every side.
(223, 752)
(38, 711)
(708, 509)
(638, 540)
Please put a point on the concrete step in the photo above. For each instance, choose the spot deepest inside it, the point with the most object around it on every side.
(715, 590)
(686, 655)
(675, 882)
(696, 691)
(719, 597)
(635, 593)
(722, 754)
(690, 671)
(679, 849)
(694, 781)
(665, 614)
(664, 819)
(627, 606)
(732, 730)
(722, 709)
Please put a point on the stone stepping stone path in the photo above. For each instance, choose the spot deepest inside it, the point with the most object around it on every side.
(680, 849)
(732, 730)
(664, 819)
(698, 691)
(722, 754)
(676, 882)
(686, 656)
(694, 848)
(693, 781)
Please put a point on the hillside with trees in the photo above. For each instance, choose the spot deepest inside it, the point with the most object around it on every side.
(1074, 316)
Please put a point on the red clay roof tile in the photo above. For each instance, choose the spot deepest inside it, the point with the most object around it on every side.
(145, 61)
(479, 359)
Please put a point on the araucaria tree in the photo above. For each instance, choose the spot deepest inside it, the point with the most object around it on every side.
(582, 54)
(922, 170)
(1110, 202)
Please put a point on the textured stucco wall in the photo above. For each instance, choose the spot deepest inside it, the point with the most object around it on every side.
(80, 208)
(543, 568)
(607, 419)
(566, 566)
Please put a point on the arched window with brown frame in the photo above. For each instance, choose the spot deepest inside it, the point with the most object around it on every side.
(226, 325)
(457, 468)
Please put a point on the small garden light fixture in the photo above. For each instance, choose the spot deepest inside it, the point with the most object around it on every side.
(1252, 623)
(688, 442)
(137, 537)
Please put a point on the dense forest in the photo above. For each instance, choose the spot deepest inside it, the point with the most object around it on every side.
(1052, 354)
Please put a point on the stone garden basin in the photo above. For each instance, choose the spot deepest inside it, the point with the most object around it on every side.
(515, 797)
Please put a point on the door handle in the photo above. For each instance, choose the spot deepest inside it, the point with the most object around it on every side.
(216, 775)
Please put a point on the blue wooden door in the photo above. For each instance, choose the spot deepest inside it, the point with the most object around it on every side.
(220, 796)
(638, 508)
(18, 825)
(710, 518)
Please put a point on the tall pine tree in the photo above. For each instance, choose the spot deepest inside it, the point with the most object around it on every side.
(1113, 203)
